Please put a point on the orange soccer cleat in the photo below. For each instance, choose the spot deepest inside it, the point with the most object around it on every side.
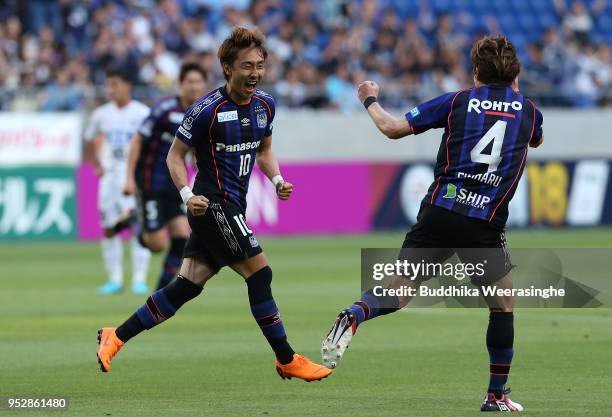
(110, 345)
(301, 367)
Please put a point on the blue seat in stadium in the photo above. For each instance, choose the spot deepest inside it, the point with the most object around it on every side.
(521, 6)
(507, 22)
(461, 5)
(540, 6)
(442, 5)
(406, 8)
(604, 23)
(501, 6)
(528, 22)
(547, 20)
(519, 41)
(479, 7)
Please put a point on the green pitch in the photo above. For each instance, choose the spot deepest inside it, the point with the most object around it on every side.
(211, 359)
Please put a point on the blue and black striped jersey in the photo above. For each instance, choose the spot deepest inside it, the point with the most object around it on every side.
(482, 155)
(226, 137)
(157, 132)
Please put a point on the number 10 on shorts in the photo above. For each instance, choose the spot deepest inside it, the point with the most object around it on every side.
(242, 225)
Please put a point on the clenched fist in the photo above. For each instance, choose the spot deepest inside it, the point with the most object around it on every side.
(367, 89)
(284, 190)
(197, 205)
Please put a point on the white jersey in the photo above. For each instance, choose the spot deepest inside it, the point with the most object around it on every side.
(117, 124)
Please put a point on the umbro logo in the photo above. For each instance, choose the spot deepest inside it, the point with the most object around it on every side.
(502, 406)
(245, 121)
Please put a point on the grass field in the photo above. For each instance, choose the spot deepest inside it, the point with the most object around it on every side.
(211, 359)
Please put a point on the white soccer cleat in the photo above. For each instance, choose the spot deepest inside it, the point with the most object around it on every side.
(338, 339)
(491, 403)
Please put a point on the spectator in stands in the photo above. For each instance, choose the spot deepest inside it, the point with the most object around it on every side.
(578, 21)
(318, 47)
(62, 94)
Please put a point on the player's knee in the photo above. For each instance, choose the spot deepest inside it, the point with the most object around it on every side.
(262, 277)
(108, 233)
(259, 285)
(154, 243)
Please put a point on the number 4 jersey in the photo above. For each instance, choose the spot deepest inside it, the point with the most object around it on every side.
(487, 131)
(226, 137)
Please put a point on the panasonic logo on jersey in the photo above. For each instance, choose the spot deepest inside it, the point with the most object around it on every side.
(476, 105)
(239, 147)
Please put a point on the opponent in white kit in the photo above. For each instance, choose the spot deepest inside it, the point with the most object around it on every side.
(108, 135)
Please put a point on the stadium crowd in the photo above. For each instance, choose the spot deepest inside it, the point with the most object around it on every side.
(53, 53)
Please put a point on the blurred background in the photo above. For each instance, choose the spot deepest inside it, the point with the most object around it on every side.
(54, 54)
(353, 189)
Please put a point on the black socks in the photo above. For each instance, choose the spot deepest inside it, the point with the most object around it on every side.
(160, 306)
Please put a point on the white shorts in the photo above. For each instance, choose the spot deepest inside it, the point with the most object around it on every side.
(112, 204)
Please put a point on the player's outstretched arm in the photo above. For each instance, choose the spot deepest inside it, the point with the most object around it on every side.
(197, 204)
(392, 127)
(129, 188)
(268, 163)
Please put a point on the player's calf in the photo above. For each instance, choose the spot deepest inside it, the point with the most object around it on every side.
(160, 306)
(266, 314)
(172, 262)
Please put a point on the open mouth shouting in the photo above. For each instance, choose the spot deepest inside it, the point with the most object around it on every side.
(250, 87)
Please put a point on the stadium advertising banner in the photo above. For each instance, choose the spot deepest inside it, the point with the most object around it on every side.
(550, 193)
(360, 197)
(327, 198)
(322, 203)
(53, 139)
(37, 203)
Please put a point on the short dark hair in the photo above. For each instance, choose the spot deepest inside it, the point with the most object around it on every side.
(119, 73)
(240, 38)
(495, 61)
(187, 67)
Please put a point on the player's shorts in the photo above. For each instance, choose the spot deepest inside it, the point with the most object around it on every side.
(440, 233)
(112, 204)
(158, 208)
(221, 236)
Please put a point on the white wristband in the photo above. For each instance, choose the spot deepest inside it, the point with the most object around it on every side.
(276, 179)
(186, 194)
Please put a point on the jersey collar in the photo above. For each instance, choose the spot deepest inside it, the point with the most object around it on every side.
(227, 96)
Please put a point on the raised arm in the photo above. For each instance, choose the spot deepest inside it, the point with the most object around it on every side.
(391, 126)
(197, 204)
(268, 163)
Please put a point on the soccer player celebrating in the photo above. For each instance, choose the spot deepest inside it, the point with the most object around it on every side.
(108, 135)
(229, 129)
(161, 205)
(488, 129)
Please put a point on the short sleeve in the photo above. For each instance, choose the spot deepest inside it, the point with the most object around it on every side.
(270, 125)
(194, 122)
(537, 130)
(431, 114)
(93, 127)
(146, 127)
(270, 105)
